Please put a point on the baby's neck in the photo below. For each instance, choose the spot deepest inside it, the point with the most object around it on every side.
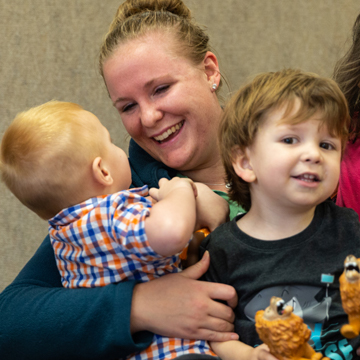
(270, 224)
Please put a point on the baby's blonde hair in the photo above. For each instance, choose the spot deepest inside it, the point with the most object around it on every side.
(45, 155)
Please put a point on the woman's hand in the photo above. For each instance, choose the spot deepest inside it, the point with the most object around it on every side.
(177, 305)
(211, 209)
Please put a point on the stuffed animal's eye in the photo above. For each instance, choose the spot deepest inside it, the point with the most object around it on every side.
(280, 307)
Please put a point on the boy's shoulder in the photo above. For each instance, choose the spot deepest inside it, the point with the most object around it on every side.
(224, 232)
(329, 218)
(340, 213)
(337, 221)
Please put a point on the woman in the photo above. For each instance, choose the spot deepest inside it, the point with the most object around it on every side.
(347, 75)
(163, 79)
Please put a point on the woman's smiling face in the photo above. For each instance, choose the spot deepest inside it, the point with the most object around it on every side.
(167, 103)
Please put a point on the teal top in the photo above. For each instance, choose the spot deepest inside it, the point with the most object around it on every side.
(235, 208)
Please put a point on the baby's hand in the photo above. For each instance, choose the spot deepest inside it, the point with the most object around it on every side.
(211, 209)
(153, 201)
(167, 186)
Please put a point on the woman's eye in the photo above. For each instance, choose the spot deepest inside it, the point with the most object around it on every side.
(127, 107)
(161, 89)
(327, 146)
(290, 140)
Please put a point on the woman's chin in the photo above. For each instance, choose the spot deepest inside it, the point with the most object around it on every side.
(176, 162)
(173, 158)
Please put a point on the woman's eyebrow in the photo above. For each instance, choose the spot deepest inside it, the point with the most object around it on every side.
(147, 85)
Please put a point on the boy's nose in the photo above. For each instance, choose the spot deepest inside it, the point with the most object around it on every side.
(312, 154)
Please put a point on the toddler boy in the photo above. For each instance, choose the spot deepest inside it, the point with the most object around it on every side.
(282, 137)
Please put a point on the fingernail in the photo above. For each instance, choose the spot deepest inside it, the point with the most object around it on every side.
(206, 255)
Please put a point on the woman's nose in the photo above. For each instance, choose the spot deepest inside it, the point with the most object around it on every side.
(150, 114)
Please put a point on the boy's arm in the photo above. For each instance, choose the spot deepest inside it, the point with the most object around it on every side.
(172, 219)
(237, 350)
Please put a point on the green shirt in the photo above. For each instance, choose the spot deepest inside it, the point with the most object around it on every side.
(235, 208)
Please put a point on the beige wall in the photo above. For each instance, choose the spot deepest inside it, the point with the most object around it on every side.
(48, 50)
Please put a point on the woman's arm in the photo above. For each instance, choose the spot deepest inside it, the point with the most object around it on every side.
(178, 305)
(39, 319)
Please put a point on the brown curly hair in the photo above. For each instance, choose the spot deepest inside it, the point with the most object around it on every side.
(249, 107)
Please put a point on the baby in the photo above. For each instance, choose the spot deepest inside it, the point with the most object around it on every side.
(59, 161)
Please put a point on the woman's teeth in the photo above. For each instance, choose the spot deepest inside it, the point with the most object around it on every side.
(169, 132)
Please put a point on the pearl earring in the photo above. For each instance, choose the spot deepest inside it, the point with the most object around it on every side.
(214, 86)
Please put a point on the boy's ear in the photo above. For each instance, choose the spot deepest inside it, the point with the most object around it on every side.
(101, 173)
(241, 164)
(212, 70)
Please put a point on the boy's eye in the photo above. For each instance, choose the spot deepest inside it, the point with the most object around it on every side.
(290, 140)
(327, 146)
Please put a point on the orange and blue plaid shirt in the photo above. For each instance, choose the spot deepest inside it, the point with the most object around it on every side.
(103, 241)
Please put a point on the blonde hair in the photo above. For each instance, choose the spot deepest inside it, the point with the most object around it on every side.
(135, 18)
(44, 154)
(251, 105)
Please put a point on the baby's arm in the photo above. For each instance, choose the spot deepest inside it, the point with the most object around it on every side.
(237, 350)
(172, 219)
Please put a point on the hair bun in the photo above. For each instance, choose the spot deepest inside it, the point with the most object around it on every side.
(132, 7)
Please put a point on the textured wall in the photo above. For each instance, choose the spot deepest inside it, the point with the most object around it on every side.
(48, 50)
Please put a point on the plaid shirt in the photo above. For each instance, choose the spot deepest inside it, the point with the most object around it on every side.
(103, 241)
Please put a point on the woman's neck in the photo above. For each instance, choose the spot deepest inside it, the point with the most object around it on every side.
(212, 176)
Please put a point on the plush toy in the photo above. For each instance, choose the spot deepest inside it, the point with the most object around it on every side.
(350, 296)
(284, 332)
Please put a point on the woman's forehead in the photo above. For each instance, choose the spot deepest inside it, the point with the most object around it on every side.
(141, 61)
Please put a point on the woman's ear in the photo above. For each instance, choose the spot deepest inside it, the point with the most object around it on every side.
(100, 173)
(212, 70)
(242, 165)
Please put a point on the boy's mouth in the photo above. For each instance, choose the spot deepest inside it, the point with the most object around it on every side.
(307, 177)
(169, 133)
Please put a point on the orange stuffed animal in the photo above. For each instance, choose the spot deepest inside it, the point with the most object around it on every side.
(284, 332)
(350, 296)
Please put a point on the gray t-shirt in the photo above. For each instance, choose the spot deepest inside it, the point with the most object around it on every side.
(303, 270)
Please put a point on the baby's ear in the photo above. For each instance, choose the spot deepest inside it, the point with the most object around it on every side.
(241, 164)
(100, 172)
